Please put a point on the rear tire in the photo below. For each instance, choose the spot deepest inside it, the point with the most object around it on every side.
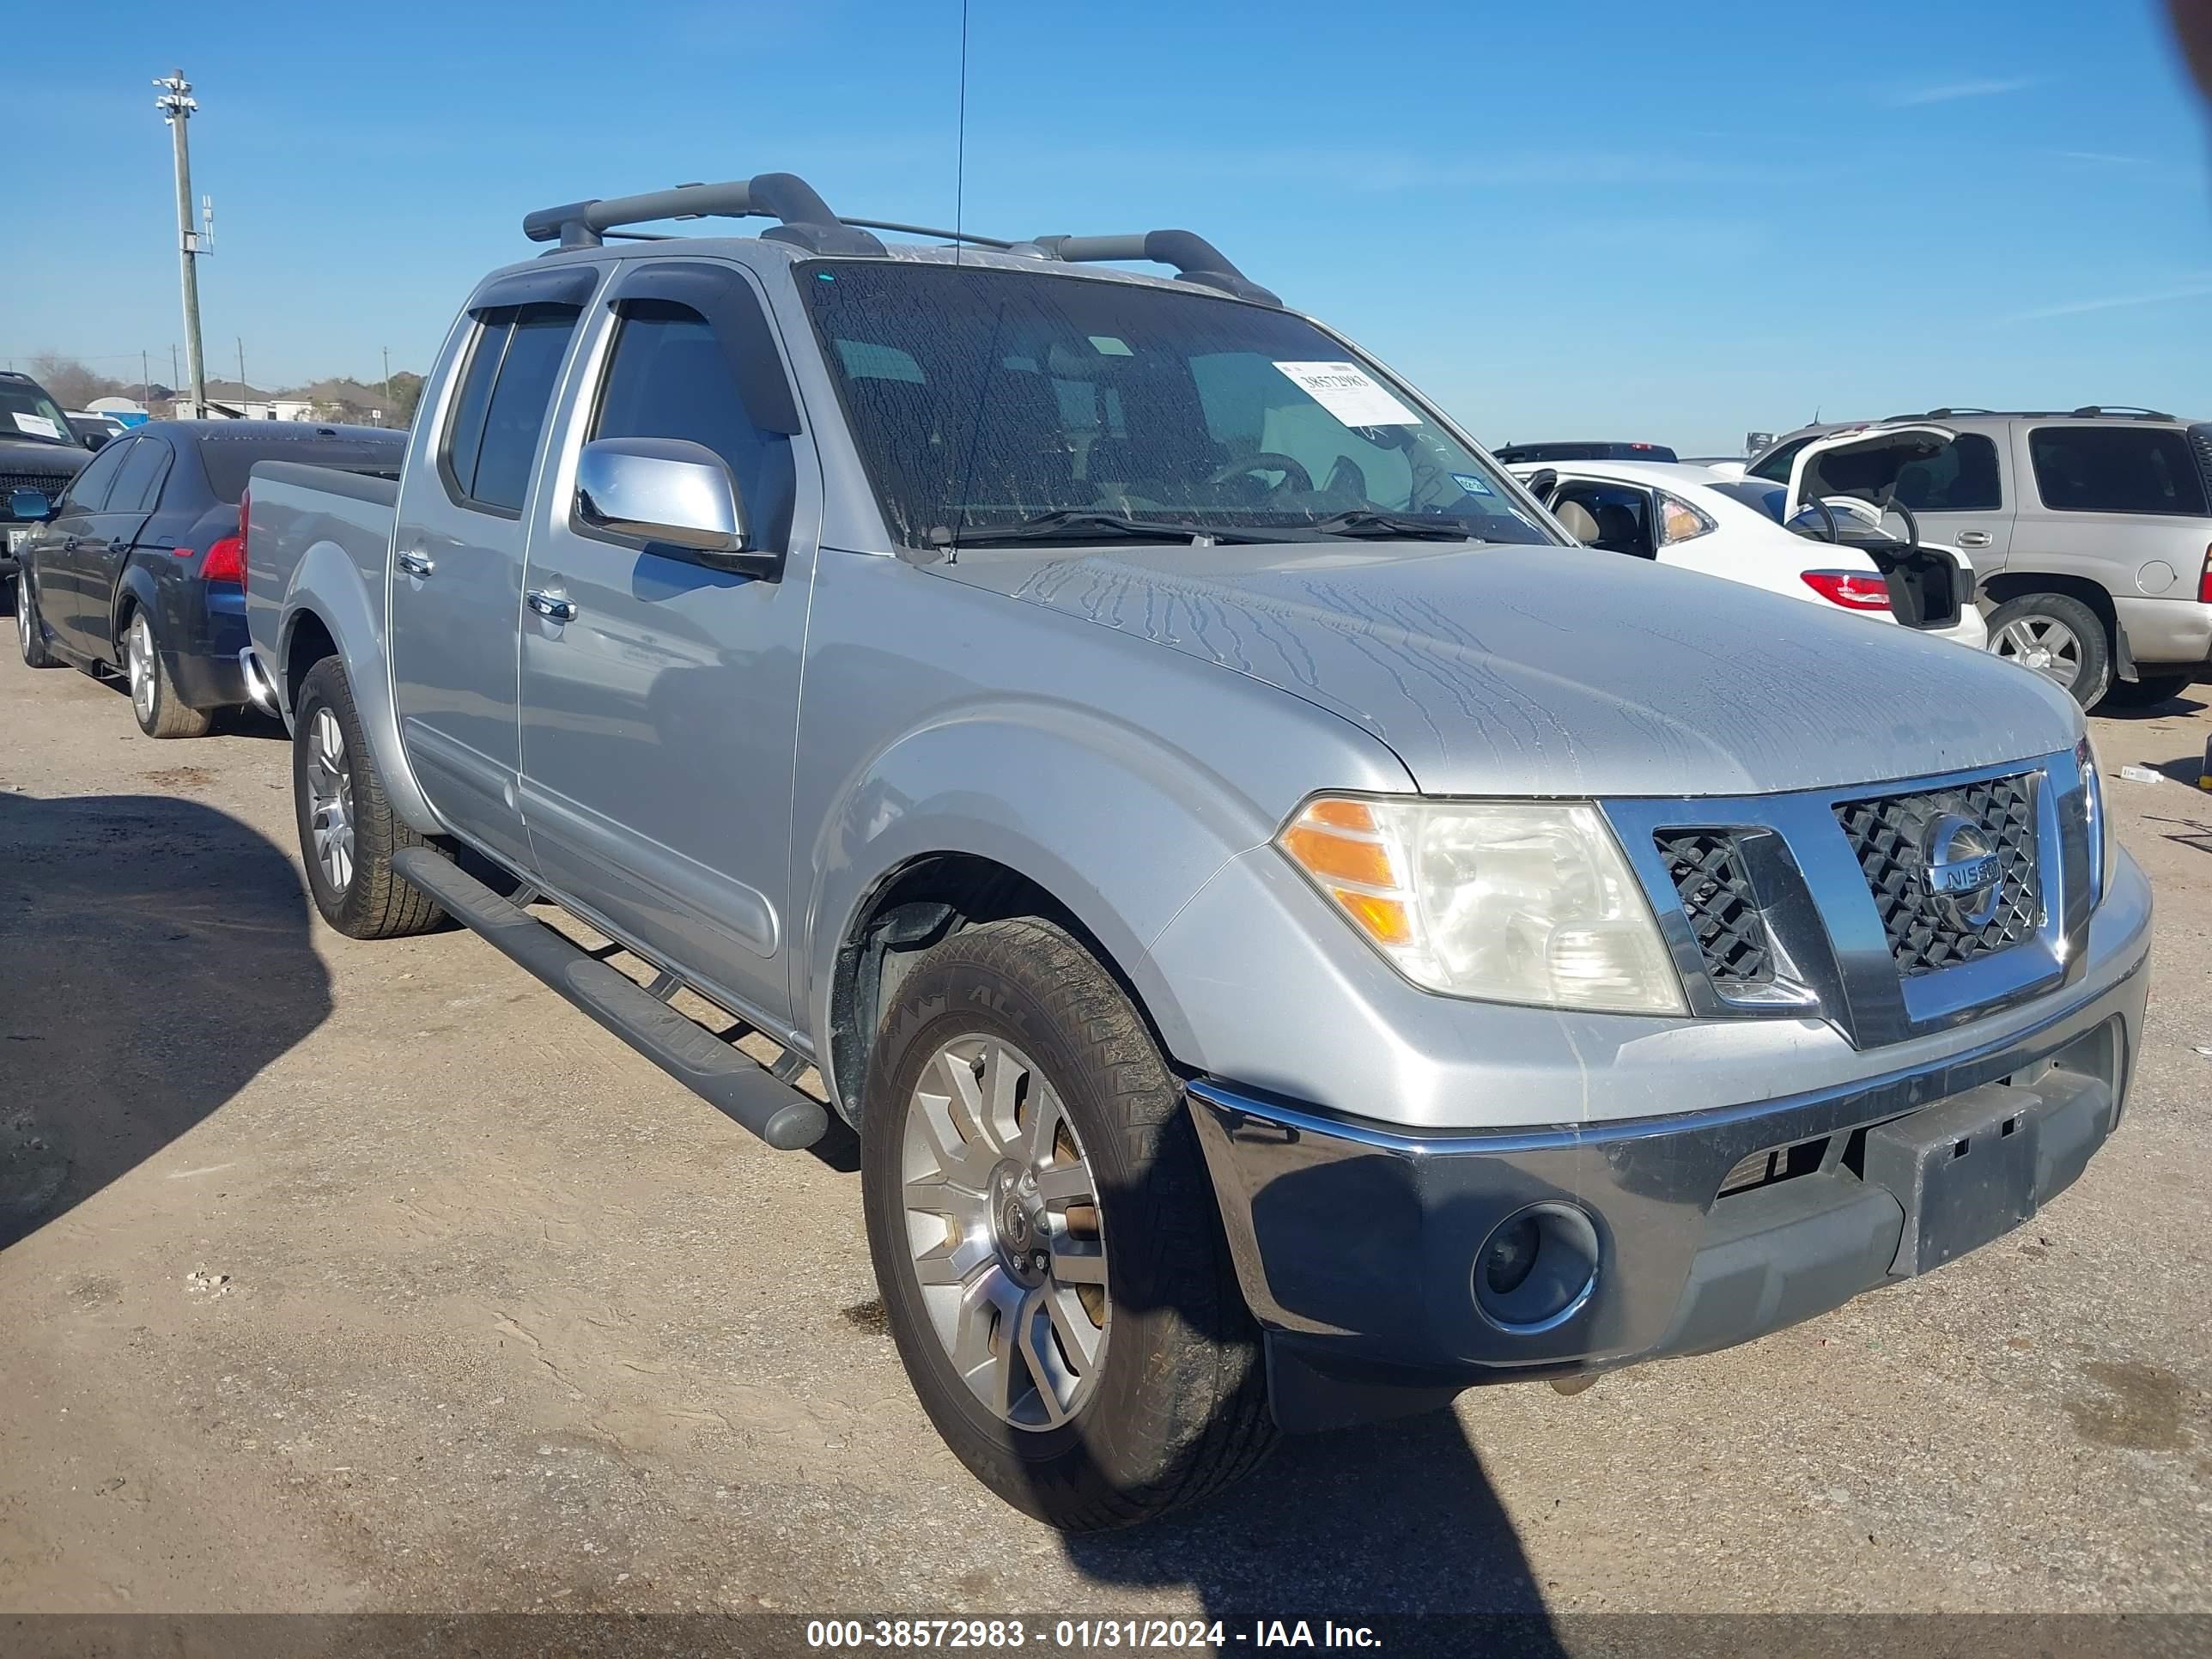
(154, 701)
(2148, 691)
(348, 832)
(2057, 636)
(1146, 1390)
(30, 631)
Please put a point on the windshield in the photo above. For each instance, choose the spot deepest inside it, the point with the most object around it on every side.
(986, 399)
(27, 413)
(230, 461)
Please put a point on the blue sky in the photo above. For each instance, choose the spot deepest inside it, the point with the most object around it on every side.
(1624, 220)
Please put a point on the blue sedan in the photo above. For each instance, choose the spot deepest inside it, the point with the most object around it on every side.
(139, 569)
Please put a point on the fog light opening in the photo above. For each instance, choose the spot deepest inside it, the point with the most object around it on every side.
(1537, 1268)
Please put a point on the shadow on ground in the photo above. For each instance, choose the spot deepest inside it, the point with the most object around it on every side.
(154, 957)
(1395, 1518)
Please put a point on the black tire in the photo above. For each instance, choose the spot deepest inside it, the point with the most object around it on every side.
(374, 902)
(1178, 1407)
(2148, 691)
(2093, 675)
(30, 631)
(160, 712)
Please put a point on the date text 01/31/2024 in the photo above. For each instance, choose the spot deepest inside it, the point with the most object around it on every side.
(1203, 1635)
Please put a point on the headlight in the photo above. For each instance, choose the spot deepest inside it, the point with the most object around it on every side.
(2103, 845)
(1509, 901)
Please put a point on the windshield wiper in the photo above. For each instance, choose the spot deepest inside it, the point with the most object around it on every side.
(1087, 523)
(1368, 522)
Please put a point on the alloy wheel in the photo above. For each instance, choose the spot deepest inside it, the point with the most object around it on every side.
(2044, 644)
(329, 799)
(1004, 1233)
(139, 657)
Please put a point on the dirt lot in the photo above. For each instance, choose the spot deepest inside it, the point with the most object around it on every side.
(342, 1276)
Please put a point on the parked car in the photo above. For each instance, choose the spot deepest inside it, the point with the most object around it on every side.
(1296, 935)
(2092, 530)
(38, 451)
(1688, 516)
(94, 431)
(138, 565)
(1514, 454)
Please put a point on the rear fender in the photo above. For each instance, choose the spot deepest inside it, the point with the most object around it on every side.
(327, 585)
(136, 589)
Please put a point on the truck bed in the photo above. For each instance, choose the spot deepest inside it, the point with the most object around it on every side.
(315, 528)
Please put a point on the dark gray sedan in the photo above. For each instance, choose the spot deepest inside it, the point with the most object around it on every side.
(139, 568)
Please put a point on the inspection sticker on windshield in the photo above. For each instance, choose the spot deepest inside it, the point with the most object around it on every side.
(1346, 391)
(37, 425)
(1472, 484)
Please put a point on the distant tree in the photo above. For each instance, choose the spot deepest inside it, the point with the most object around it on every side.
(70, 380)
(406, 393)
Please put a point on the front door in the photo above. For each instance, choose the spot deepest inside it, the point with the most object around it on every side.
(457, 564)
(658, 718)
(67, 552)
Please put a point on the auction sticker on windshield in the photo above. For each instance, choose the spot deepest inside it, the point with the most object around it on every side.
(1345, 391)
(38, 425)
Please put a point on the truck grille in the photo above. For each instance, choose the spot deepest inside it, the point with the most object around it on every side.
(1709, 875)
(51, 482)
(1928, 930)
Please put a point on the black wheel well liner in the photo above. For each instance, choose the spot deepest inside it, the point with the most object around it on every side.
(309, 641)
(912, 908)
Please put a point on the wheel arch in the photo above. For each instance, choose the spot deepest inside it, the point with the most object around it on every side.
(926, 898)
(2009, 585)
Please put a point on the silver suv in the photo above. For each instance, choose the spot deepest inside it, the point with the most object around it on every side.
(2091, 529)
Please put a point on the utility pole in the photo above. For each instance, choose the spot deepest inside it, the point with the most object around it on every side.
(387, 387)
(241, 369)
(143, 399)
(172, 371)
(176, 104)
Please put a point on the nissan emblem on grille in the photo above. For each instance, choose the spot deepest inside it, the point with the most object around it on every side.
(1953, 871)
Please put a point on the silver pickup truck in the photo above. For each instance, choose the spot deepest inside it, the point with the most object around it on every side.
(1295, 935)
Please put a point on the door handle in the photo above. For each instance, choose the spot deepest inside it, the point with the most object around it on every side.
(416, 564)
(68, 544)
(554, 607)
(1974, 539)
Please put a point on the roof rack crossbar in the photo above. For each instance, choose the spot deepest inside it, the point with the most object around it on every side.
(805, 218)
(967, 236)
(1194, 259)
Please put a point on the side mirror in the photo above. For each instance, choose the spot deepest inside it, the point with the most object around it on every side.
(676, 496)
(30, 506)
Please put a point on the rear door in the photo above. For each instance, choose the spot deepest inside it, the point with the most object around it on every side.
(456, 580)
(1958, 495)
(2120, 502)
(121, 519)
(67, 551)
(659, 718)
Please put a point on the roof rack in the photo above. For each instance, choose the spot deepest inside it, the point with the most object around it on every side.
(1194, 259)
(805, 219)
(2086, 412)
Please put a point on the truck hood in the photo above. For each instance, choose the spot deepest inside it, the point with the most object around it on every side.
(1559, 671)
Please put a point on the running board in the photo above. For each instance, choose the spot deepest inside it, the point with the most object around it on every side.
(725, 1078)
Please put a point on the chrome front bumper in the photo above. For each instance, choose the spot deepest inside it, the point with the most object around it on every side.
(1356, 1244)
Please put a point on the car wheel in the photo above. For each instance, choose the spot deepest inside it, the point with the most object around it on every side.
(348, 832)
(2148, 691)
(152, 695)
(1044, 1234)
(2058, 637)
(30, 631)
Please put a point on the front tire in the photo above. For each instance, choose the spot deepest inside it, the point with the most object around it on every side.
(1044, 1235)
(153, 699)
(2058, 637)
(30, 631)
(348, 832)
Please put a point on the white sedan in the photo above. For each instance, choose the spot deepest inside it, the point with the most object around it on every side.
(1738, 528)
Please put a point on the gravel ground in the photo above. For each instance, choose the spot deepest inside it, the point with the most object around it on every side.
(340, 1277)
